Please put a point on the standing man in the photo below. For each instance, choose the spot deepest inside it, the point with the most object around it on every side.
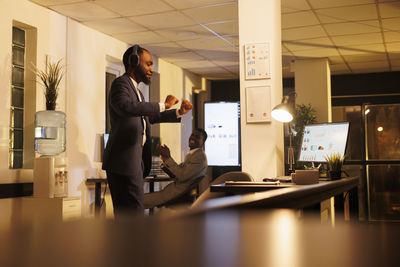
(186, 174)
(127, 157)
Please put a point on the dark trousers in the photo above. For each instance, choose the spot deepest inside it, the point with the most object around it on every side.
(126, 193)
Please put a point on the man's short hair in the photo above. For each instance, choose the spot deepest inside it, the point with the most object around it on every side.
(128, 52)
(203, 132)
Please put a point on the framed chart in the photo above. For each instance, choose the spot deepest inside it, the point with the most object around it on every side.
(257, 61)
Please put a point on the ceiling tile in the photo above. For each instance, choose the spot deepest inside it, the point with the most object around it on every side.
(362, 49)
(393, 47)
(289, 6)
(233, 39)
(391, 36)
(337, 3)
(213, 72)
(299, 19)
(115, 26)
(352, 27)
(391, 24)
(287, 54)
(85, 11)
(139, 7)
(303, 33)
(365, 57)
(225, 63)
(183, 4)
(358, 39)
(224, 28)
(309, 44)
(147, 37)
(183, 56)
(395, 68)
(163, 20)
(214, 13)
(395, 63)
(220, 54)
(317, 53)
(195, 64)
(394, 56)
(232, 68)
(54, 2)
(347, 14)
(164, 48)
(185, 33)
(373, 65)
(206, 43)
(339, 68)
(336, 60)
(369, 65)
(389, 10)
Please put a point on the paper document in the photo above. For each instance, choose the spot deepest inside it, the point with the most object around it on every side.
(251, 183)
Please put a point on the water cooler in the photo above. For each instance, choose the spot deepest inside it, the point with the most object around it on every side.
(50, 176)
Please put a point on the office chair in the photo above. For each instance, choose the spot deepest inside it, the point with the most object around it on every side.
(229, 176)
(185, 197)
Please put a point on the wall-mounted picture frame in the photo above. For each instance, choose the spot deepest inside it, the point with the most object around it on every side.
(257, 61)
(258, 104)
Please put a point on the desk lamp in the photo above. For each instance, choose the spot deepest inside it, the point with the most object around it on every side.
(284, 113)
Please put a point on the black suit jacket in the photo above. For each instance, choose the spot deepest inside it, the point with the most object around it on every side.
(124, 153)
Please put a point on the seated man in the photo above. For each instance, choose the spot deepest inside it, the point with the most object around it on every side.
(194, 166)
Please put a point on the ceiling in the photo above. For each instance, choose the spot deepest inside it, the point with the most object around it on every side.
(357, 36)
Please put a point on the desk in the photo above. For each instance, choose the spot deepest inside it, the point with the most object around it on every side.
(97, 192)
(285, 195)
(152, 179)
(228, 238)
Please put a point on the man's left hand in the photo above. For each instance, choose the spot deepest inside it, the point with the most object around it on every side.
(185, 107)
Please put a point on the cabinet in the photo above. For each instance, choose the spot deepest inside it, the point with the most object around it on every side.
(63, 208)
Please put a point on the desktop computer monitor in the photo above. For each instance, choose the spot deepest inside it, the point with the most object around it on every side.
(320, 140)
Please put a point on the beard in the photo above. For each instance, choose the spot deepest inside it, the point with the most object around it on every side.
(142, 75)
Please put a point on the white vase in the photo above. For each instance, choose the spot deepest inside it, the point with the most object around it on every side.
(50, 132)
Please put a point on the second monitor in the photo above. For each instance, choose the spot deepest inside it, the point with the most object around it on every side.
(324, 139)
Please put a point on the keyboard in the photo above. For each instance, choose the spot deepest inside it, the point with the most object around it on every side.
(251, 183)
(283, 179)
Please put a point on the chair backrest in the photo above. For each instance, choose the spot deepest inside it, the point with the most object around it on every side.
(229, 176)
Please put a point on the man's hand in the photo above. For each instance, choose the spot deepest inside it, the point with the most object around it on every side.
(164, 152)
(185, 107)
(170, 101)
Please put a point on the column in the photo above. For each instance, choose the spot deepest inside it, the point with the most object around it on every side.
(313, 86)
(262, 143)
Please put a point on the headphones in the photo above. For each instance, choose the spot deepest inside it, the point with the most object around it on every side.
(133, 59)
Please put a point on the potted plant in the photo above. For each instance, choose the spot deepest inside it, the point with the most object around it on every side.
(304, 115)
(51, 79)
(335, 163)
(50, 124)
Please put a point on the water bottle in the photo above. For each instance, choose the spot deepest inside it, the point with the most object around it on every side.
(50, 132)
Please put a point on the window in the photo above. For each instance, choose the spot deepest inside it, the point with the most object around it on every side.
(17, 99)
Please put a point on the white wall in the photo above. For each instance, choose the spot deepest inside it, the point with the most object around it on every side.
(85, 102)
(51, 40)
(82, 91)
(178, 82)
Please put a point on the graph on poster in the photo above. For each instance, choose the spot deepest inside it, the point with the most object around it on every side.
(257, 61)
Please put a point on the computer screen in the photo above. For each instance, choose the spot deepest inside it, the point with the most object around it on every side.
(320, 140)
(222, 124)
